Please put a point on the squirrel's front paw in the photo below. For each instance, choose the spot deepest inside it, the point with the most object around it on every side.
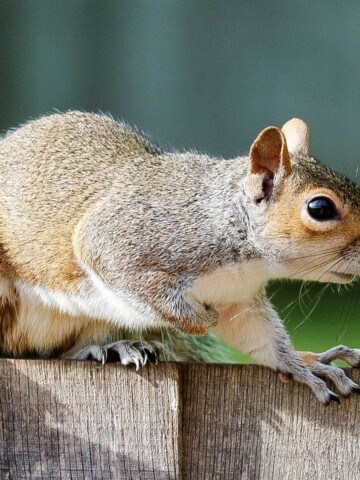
(340, 352)
(126, 352)
(319, 365)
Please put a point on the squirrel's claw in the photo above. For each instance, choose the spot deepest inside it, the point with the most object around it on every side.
(126, 352)
(309, 377)
(355, 389)
(342, 382)
(333, 397)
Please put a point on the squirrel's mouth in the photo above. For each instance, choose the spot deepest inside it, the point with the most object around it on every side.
(345, 277)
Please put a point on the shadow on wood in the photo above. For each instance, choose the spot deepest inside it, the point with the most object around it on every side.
(62, 420)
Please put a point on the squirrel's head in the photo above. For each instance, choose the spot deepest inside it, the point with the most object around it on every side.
(305, 216)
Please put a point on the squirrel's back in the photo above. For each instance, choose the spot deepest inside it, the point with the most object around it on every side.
(52, 169)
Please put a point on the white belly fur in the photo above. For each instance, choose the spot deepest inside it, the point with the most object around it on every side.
(95, 300)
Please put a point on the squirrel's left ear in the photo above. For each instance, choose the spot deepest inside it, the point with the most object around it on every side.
(269, 163)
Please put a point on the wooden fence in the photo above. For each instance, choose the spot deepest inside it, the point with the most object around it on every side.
(74, 420)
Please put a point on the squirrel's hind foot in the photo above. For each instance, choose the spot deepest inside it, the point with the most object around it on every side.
(125, 352)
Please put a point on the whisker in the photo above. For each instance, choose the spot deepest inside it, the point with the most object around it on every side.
(306, 271)
(332, 264)
(344, 315)
(286, 318)
(346, 308)
(293, 259)
(240, 313)
(322, 291)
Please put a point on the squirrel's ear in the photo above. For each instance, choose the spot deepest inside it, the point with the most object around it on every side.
(297, 136)
(269, 158)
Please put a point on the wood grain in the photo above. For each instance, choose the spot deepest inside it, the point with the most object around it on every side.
(241, 422)
(78, 420)
(75, 420)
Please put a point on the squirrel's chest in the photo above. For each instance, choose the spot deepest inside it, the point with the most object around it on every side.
(232, 284)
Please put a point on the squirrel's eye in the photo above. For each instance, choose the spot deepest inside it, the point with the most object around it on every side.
(322, 208)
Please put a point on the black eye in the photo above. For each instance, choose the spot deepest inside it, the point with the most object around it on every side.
(322, 208)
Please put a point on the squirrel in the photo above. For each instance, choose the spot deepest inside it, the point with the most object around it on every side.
(114, 249)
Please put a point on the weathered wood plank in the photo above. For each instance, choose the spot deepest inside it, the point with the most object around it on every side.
(74, 420)
(241, 422)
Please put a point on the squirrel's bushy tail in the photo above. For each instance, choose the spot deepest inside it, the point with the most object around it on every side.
(177, 346)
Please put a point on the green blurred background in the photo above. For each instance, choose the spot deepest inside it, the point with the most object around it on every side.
(201, 74)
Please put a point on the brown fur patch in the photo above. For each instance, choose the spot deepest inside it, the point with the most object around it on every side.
(8, 318)
(309, 358)
(285, 221)
(6, 266)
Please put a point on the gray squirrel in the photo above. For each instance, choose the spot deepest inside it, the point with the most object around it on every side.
(113, 249)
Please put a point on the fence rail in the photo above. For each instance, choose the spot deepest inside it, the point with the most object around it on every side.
(74, 420)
